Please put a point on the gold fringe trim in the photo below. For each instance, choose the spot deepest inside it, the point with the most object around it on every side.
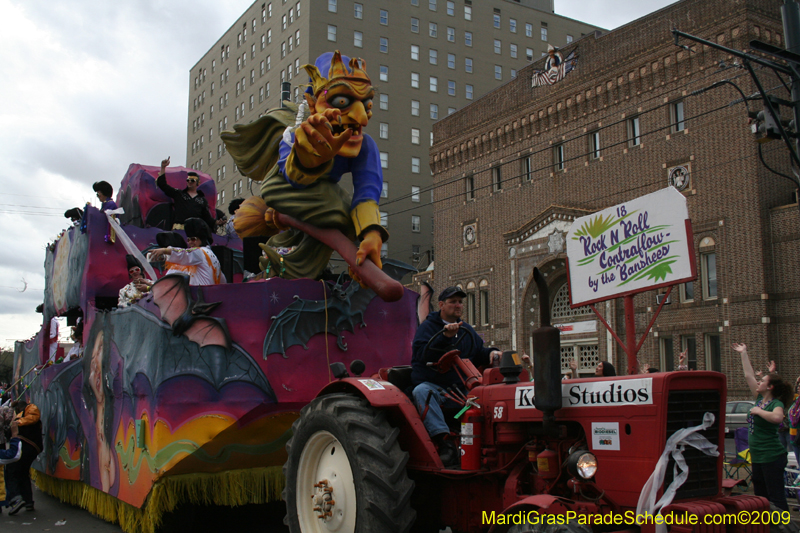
(231, 488)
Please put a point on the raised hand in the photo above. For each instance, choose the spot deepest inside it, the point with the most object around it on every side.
(739, 347)
(164, 164)
(315, 142)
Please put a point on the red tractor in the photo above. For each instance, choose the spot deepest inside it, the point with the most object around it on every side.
(571, 456)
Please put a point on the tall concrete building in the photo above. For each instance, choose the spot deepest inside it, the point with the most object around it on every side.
(426, 58)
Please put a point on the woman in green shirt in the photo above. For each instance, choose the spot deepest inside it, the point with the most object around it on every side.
(766, 452)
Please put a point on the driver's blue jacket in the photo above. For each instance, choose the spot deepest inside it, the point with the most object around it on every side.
(420, 372)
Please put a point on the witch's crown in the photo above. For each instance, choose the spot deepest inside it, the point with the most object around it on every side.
(338, 70)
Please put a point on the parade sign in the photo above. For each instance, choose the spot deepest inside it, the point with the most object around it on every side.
(632, 247)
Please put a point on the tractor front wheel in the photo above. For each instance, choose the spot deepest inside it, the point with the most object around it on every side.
(345, 471)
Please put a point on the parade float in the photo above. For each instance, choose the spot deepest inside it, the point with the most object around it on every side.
(189, 394)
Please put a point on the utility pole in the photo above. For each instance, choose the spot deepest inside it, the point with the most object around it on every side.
(790, 12)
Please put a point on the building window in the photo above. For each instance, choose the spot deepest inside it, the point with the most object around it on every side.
(713, 353)
(468, 38)
(433, 29)
(558, 157)
(384, 73)
(471, 307)
(451, 87)
(358, 39)
(468, 65)
(512, 25)
(687, 291)
(297, 38)
(594, 144)
(434, 111)
(414, 25)
(384, 160)
(451, 61)
(498, 46)
(358, 10)
(384, 17)
(528, 30)
(666, 354)
(269, 36)
(433, 57)
(252, 102)
(676, 117)
(415, 52)
(414, 136)
(414, 188)
(513, 51)
(385, 189)
(331, 33)
(415, 108)
(496, 21)
(497, 179)
(484, 295)
(385, 250)
(634, 132)
(451, 9)
(469, 187)
(432, 5)
(544, 33)
(450, 111)
(451, 34)
(469, 91)
(384, 130)
(468, 16)
(498, 72)
(384, 219)
(569, 39)
(415, 170)
(527, 169)
(689, 345)
(433, 84)
(384, 45)
(415, 223)
(415, 80)
(283, 22)
(383, 100)
(709, 266)
(332, 5)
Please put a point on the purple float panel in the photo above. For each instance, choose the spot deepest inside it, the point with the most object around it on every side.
(147, 205)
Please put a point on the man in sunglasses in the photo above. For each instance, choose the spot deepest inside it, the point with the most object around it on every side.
(187, 203)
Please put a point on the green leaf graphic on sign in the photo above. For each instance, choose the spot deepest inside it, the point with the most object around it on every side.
(596, 227)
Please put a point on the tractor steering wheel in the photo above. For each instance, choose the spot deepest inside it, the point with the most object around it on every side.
(464, 344)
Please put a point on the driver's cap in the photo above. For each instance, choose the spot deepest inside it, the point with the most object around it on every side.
(450, 292)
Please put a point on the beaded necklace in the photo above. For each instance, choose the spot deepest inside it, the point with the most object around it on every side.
(763, 404)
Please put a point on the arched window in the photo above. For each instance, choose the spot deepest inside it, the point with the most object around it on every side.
(561, 307)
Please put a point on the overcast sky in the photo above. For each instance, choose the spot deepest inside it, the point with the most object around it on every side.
(91, 86)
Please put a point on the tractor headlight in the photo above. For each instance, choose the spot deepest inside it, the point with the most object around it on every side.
(582, 464)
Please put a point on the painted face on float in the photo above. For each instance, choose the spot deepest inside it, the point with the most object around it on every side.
(342, 83)
(354, 100)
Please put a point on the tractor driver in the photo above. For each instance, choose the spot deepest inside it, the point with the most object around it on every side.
(448, 332)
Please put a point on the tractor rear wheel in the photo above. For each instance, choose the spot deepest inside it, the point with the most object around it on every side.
(345, 471)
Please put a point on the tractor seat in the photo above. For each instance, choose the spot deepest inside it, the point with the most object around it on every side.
(400, 377)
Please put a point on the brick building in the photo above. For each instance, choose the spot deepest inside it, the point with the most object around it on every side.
(637, 113)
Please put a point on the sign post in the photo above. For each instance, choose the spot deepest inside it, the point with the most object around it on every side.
(633, 247)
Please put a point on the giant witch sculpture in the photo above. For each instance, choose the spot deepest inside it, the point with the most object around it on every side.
(300, 159)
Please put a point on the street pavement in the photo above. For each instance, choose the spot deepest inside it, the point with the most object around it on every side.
(58, 517)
